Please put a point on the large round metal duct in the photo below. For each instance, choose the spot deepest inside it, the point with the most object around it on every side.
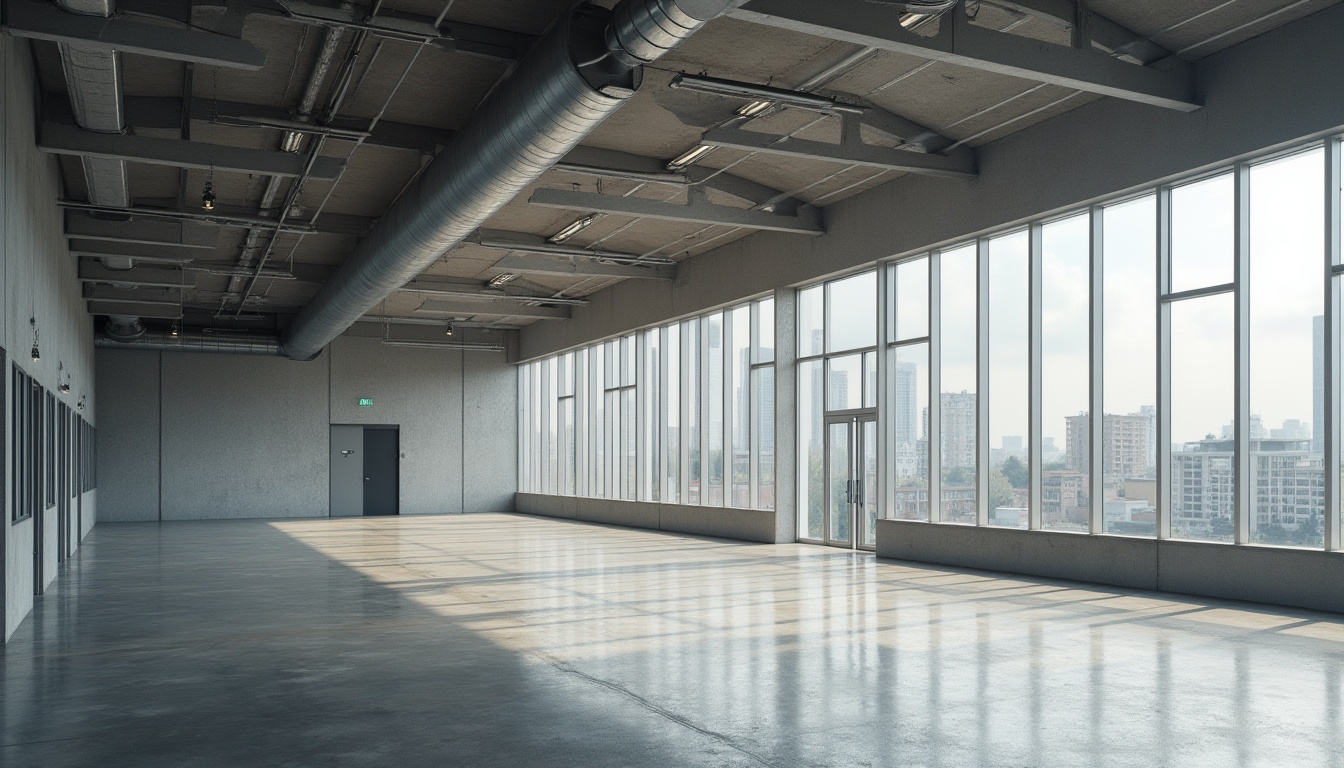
(575, 77)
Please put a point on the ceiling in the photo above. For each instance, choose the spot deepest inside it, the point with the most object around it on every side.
(408, 96)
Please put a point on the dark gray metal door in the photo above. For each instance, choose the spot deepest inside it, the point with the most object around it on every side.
(381, 469)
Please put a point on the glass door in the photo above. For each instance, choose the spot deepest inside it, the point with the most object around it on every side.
(851, 481)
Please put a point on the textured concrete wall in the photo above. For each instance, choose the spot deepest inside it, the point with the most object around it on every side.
(1262, 93)
(242, 437)
(195, 436)
(419, 390)
(128, 438)
(1259, 574)
(743, 524)
(37, 280)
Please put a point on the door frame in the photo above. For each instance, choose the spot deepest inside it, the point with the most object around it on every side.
(854, 420)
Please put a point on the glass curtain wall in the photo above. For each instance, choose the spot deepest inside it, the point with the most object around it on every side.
(606, 421)
(1167, 364)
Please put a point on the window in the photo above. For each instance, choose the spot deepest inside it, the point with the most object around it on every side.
(1065, 377)
(1008, 355)
(622, 419)
(958, 406)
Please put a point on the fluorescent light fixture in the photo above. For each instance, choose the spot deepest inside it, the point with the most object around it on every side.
(575, 228)
(554, 249)
(690, 156)
(736, 88)
(499, 280)
(754, 108)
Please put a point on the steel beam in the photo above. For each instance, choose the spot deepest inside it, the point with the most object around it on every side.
(616, 162)
(231, 216)
(171, 297)
(963, 44)
(538, 264)
(848, 152)
(698, 211)
(69, 140)
(179, 233)
(1106, 33)
(44, 21)
(92, 271)
(464, 308)
(151, 311)
(470, 39)
(157, 254)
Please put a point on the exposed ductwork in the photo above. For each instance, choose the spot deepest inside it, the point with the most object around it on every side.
(216, 342)
(93, 78)
(579, 73)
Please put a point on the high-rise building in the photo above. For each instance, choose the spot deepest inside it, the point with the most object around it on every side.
(958, 432)
(1318, 384)
(1127, 440)
(1289, 483)
(905, 403)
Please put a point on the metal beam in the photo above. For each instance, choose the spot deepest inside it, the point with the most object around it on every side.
(152, 311)
(462, 308)
(849, 151)
(180, 233)
(698, 211)
(475, 291)
(583, 159)
(158, 254)
(91, 271)
(69, 140)
(1106, 33)
(538, 264)
(470, 39)
(231, 216)
(44, 21)
(963, 44)
(171, 297)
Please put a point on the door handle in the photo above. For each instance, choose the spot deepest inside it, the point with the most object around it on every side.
(849, 491)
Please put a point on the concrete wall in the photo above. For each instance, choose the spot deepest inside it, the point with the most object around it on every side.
(742, 524)
(39, 281)
(1274, 89)
(1281, 576)
(198, 436)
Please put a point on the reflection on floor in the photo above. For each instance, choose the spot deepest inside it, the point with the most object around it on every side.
(496, 640)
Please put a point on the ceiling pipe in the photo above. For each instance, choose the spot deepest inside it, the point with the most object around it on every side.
(192, 340)
(579, 73)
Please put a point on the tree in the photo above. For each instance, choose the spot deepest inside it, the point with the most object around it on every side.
(1015, 471)
(1000, 490)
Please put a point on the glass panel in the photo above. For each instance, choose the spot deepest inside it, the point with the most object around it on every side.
(714, 423)
(1203, 241)
(567, 446)
(1009, 283)
(693, 417)
(650, 394)
(552, 436)
(844, 383)
(1287, 347)
(763, 331)
(629, 446)
(837, 469)
(628, 361)
(1065, 376)
(763, 429)
(1130, 366)
(958, 375)
(740, 451)
(612, 490)
(870, 380)
(597, 435)
(810, 326)
(672, 416)
(909, 452)
(1202, 410)
(867, 490)
(851, 313)
(909, 290)
(810, 469)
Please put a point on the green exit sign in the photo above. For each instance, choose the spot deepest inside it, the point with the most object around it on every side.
(366, 402)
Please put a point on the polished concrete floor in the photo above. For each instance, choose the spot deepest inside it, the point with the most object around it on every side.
(492, 640)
